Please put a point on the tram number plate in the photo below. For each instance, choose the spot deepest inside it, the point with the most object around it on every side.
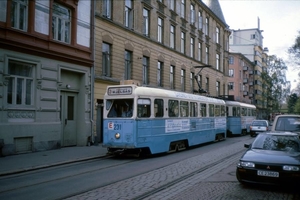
(267, 173)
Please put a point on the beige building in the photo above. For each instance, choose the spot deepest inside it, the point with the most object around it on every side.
(158, 43)
(249, 42)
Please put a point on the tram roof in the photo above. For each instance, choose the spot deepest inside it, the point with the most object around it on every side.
(159, 92)
(236, 103)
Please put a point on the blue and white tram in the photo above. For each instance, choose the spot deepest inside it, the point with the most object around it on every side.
(239, 117)
(152, 120)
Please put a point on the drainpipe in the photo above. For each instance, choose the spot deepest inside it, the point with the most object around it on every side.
(92, 70)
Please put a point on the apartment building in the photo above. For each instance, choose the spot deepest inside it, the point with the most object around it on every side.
(249, 42)
(160, 43)
(46, 65)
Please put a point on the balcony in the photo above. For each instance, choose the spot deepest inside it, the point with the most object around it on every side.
(245, 68)
(245, 80)
(245, 93)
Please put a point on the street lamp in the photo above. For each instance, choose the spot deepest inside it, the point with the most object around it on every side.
(196, 77)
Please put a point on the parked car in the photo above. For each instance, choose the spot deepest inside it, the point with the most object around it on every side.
(272, 158)
(258, 126)
(289, 123)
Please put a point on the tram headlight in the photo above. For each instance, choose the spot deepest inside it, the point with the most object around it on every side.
(117, 135)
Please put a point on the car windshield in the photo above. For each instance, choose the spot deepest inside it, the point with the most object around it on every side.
(288, 124)
(276, 142)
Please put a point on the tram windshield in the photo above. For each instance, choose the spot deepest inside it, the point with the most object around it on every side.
(119, 108)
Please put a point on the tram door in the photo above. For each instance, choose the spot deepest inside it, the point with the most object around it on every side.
(68, 102)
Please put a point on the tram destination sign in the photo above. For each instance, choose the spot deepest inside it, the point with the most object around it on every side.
(119, 90)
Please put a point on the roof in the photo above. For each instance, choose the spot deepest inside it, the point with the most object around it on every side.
(215, 7)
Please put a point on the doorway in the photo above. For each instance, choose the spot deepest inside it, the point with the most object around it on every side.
(68, 118)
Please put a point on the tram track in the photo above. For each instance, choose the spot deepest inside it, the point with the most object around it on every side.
(15, 177)
(188, 177)
(153, 183)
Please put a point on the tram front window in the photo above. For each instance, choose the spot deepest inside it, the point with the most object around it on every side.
(119, 108)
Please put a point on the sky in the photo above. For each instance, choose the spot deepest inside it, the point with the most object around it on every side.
(279, 20)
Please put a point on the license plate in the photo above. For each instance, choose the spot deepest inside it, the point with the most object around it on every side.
(267, 173)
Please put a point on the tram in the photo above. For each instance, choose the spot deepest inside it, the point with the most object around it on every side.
(150, 120)
(239, 117)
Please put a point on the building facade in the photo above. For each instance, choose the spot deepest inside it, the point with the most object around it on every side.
(249, 42)
(46, 69)
(160, 43)
(241, 78)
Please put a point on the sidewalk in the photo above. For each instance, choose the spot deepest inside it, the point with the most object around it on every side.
(36, 160)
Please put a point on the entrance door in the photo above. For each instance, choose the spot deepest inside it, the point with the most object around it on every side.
(68, 118)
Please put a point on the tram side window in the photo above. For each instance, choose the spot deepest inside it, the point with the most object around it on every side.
(173, 108)
(244, 112)
(203, 110)
(249, 112)
(238, 111)
(234, 111)
(223, 113)
(217, 111)
(184, 109)
(144, 107)
(193, 109)
(159, 107)
(211, 108)
(119, 108)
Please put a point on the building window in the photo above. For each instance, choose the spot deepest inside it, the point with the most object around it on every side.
(128, 14)
(172, 5)
(160, 74)
(192, 14)
(106, 59)
(192, 81)
(200, 20)
(217, 35)
(231, 72)
(172, 75)
(182, 9)
(192, 47)
(106, 8)
(206, 55)
(61, 23)
(182, 79)
(182, 43)
(160, 30)
(146, 22)
(231, 86)
(20, 83)
(19, 14)
(206, 26)
(172, 37)
(199, 51)
(128, 65)
(218, 88)
(145, 70)
(217, 61)
(231, 60)
(207, 84)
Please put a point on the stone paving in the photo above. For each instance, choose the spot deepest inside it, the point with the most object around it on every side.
(136, 186)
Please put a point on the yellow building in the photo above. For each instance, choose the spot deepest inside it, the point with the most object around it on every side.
(158, 43)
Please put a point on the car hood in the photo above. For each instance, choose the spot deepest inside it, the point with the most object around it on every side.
(258, 155)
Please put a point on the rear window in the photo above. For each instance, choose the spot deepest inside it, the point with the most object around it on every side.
(259, 123)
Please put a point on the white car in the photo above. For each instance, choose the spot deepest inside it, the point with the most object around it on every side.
(258, 126)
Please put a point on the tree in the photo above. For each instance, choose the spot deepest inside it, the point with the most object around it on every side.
(291, 102)
(279, 87)
(294, 51)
